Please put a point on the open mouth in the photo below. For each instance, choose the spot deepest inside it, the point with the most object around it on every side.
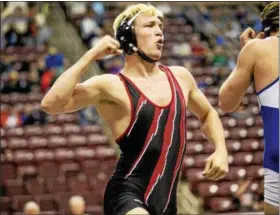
(160, 43)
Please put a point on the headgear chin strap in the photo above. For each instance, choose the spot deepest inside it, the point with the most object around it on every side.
(127, 39)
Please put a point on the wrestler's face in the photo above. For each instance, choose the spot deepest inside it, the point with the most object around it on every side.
(149, 35)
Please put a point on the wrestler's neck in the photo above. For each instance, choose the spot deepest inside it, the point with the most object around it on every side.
(276, 33)
(136, 67)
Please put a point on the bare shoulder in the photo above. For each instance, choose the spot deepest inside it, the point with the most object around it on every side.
(105, 81)
(256, 47)
(182, 73)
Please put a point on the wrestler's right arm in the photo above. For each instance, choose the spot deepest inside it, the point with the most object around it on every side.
(67, 95)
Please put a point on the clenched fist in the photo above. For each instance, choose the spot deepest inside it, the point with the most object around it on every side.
(216, 166)
(106, 46)
(248, 35)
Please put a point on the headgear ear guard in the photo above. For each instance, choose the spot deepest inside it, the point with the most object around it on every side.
(126, 36)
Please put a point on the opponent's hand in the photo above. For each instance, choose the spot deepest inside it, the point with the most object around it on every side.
(106, 46)
(216, 166)
(248, 35)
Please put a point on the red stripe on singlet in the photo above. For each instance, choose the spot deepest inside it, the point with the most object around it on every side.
(182, 136)
(169, 129)
(151, 133)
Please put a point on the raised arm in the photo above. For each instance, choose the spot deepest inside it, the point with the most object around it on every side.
(66, 95)
(235, 86)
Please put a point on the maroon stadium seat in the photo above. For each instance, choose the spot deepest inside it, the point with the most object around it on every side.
(46, 202)
(255, 132)
(33, 130)
(5, 203)
(255, 171)
(238, 133)
(69, 168)
(250, 145)
(52, 130)
(91, 129)
(48, 169)
(70, 128)
(62, 200)
(242, 158)
(26, 171)
(23, 156)
(56, 141)
(222, 204)
(63, 154)
(76, 140)
(83, 153)
(193, 147)
(9, 170)
(97, 140)
(35, 186)
(236, 173)
(41, 155)
(35, 142)
(14, 132)
(258, 158)
(16, 143)
(19, 201)
(233, 145)
(14, 187)
(56, 185)
(78, 184)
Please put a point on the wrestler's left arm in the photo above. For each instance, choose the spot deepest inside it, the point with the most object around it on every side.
(233, 89)
(217, 164)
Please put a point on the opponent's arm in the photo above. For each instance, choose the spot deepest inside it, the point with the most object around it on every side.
(233, 89)
(66, 95)
(235, 86)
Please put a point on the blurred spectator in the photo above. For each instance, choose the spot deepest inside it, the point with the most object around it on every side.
(5, 63)
(77, 205)
(258, 204)
(12, 119)
(15, 27)
(77, 8)
(31, 208)
(4, 114)
(89, 27)
(244, 198)
(98, 7)
(197, 48)
(54, 59)
(241, 16)
(182, 49)
(88, 116)
(233, 29)
(17, 82)
(231, 63)
(47, 80)
(40, 28)
(33, 115)
(11, 7)
(219, 58)
(34, 78)
(219, 76)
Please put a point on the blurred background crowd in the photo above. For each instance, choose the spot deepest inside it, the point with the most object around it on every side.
(50, 163)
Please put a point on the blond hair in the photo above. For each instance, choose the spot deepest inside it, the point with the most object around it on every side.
(131, 11)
